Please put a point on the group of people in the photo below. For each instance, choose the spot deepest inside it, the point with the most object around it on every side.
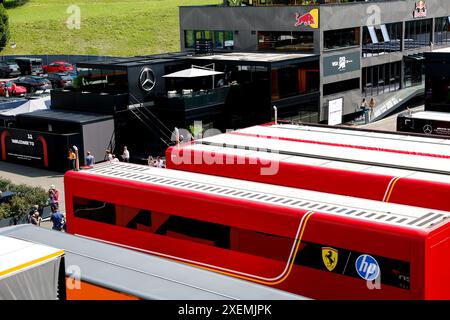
(112, 157)
(368, 107)
(57, 218)
(89, 159)
(158, 162)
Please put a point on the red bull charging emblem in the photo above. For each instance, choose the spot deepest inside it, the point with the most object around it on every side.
(310, 19)
(420, 11)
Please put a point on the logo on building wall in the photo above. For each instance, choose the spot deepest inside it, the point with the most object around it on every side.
(310, 19)
(341, 63)
(337, 64)
(147, 79)
(420, 11)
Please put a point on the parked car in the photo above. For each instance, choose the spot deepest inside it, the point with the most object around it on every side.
(9, 88)
(29, 66)
(34, 83)
(58, 66)
(60, 80)
(9, 69)
(73, 73)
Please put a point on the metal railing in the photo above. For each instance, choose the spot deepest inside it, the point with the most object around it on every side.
(49, 58)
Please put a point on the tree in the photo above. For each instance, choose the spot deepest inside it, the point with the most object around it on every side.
(4, 28)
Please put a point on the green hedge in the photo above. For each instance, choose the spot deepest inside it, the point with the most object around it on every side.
(26, 196)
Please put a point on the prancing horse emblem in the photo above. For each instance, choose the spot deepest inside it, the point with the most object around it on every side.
(330, 258)
(147, 79)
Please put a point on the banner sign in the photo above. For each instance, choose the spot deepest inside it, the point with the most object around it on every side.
(342, 63)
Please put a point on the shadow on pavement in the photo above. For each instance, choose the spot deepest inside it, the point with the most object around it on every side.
(27, 171)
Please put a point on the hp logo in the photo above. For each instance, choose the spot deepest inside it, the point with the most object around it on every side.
(367, 267)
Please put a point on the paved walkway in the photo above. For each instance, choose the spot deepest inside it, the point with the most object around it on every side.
(19, 174)
(389, 123)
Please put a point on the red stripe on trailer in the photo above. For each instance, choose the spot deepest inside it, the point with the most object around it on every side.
(344, 145)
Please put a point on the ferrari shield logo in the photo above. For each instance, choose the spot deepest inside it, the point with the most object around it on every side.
(330, 258)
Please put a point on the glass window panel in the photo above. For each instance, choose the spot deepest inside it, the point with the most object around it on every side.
(189, 39)
(385, 33)
(373, 34)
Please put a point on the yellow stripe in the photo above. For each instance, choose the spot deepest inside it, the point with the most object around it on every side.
(30, 263)
(272, 283)
(391, 189)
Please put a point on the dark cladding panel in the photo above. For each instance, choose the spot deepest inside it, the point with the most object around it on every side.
(88, 102)
(37, 149)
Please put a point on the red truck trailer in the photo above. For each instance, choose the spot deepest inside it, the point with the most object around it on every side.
(319, 245)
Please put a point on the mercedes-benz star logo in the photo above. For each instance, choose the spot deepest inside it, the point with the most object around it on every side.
(147, 79)
(428, 129)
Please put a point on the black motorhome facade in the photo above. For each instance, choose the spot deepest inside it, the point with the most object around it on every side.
(148, 98)
(366, 48)
(437, 75)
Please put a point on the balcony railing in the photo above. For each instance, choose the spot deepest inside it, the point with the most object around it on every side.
(89, 101)
(187, 100)
(264, 3)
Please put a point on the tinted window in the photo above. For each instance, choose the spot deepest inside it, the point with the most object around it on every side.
(94, 210)
(335, 39)
(187, 229)
(285, 41)
(340, 86)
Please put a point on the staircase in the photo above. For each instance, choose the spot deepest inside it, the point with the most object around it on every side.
(151, 122)
(396, 101)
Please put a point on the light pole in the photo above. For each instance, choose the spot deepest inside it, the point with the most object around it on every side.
(77, 158)
(275, 109)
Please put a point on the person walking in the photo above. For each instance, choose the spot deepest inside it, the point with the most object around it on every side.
(365, 109)
(372, 105)
(58, 220)
(109, 155)
(126, 154)
(159, 163)
(34, 218)
(150, 161)
(72, 159)
(53, 196)
(90, 160)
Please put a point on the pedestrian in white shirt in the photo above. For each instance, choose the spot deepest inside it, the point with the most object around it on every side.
(109, 155)
(126, 154)
(159, 163)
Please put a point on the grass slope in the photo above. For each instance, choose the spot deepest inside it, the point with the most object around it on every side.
(108, 27)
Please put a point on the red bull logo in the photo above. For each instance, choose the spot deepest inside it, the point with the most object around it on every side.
(420, 11)
(310, 19)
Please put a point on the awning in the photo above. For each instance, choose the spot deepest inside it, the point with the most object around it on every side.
(192, 73)
(28, 271)
(29, 106)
